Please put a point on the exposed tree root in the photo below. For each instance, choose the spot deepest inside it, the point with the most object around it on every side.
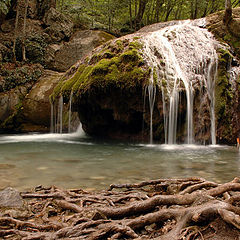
(183, 209)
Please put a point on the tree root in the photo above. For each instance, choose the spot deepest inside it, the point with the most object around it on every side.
(159, 209)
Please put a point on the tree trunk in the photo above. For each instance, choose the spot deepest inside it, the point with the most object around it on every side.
(24, 32)
(141, 10)
(130, 14)
(16, 33)
(20, 28)
(228, 12)
(135, 20)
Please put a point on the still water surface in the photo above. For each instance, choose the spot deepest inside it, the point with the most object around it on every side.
(77, 161)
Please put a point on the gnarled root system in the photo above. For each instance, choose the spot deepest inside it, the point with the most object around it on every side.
(161, 209)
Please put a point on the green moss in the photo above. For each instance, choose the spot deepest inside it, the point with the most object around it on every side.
(135, 45)
(83, 79)
(224, 55)
(224, 95)
(131, 55)
(155, 77)
(108, 54)
(56, 91)
(105, 37)
(136, 38)
(120, 45)
(107, 68)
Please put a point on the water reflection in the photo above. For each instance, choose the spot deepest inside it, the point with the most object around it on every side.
(70, 161)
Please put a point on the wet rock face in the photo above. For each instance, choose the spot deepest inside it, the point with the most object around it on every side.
(112, 113)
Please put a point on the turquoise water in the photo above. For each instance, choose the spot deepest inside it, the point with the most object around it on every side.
(77, 161)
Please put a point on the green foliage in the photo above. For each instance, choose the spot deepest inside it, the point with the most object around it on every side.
(21, 75)
(124, 16)
(35, 48)
(4, 6)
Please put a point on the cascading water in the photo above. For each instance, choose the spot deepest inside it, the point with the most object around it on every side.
(70, 113)
(182, 55)
(60, 114)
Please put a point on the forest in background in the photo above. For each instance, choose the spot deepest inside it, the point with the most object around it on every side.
(121, 17)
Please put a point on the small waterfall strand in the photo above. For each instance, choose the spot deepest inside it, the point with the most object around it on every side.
(57, 116)
(70, 113)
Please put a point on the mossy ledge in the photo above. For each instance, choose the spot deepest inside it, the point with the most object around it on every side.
(119, 64)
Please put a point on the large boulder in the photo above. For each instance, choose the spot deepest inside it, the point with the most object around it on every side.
(63, 56)
(107, 88)
(36, 106)
(10, 105)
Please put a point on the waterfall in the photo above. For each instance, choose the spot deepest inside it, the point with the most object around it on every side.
(60, 114)
(151, 96)
(70, 113)
(183, 55)
(52, 118)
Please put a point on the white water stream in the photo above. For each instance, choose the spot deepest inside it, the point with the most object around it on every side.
(181, 56)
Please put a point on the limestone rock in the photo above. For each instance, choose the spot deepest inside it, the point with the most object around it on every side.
(10, 198)
(36, 105)
(59, 27)
(9, 100)
(61, 57)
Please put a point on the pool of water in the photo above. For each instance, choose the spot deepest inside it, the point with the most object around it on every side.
(77, 161)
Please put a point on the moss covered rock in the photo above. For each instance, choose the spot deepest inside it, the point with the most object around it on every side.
(227, 86)
(108, 89)
(229, 33)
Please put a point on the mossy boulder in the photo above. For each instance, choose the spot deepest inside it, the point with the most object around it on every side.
(108, 89)
(227, 96)
(226, 33)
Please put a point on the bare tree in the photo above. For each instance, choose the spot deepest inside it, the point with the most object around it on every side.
(228, 12)
(20, 27)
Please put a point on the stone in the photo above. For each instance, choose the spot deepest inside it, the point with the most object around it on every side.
(36, 106)
(61, 57)
(8, 102)
(8, 26)
(11, 198)
(59, 26)
(3, 51)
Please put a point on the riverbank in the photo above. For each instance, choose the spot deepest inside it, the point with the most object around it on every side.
(190, 208)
